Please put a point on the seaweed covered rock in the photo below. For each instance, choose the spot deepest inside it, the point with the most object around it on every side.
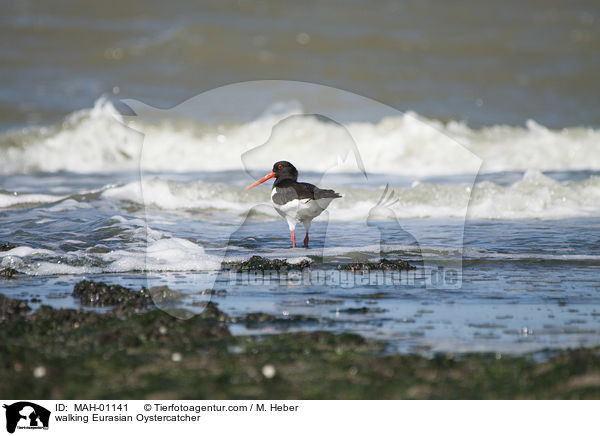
(99, 294)
(382, 265)
(51, 320)
(211, 311)
(87, 354)
(10, 308)
(163, 295)
(257, 319)
(258, 263)
(6, 246)
(361, 310)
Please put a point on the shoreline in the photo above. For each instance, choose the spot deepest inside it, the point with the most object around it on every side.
(134, 350)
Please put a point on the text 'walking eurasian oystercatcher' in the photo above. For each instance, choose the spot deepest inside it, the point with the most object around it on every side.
(297, 202)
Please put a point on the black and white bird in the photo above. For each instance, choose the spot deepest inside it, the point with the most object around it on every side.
(297, 202)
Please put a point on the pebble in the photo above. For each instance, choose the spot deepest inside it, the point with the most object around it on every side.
(39, 372)
(269, 371)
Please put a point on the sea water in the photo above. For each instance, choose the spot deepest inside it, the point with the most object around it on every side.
(482, 156)
(75, 206)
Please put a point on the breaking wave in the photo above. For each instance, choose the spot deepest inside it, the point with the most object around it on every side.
(100, 140)
(534, 196)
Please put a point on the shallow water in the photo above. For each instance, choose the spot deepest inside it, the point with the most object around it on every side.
(525, 284)
(477, 131)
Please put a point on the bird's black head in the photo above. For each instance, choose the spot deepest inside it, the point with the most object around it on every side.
(284, 170)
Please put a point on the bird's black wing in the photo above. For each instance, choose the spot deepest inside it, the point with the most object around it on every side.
(318, 193)
(286, 192)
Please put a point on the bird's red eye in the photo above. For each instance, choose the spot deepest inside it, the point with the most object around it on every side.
(279, 167)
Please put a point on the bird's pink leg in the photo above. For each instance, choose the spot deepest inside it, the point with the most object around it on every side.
(306, 240)
(293, 239)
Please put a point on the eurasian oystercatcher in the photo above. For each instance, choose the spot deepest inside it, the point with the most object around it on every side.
(296, 201)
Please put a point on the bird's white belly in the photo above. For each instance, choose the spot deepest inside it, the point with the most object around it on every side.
(303, 210)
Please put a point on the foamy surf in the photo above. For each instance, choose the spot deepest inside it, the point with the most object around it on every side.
(16, 199)
(165, 255)
(535, 195)
(172, 254)
(99, 140)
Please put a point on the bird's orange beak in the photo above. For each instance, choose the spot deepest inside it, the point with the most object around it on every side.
(264, 179)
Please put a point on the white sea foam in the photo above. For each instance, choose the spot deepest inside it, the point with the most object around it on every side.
(23, 251)
(171, 254)
(167, 254)
(90, 140)
(171, 195)
(15, 200)
(534, 196)
(97, 140)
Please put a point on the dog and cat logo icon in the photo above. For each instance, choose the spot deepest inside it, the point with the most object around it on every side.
(26, 415)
